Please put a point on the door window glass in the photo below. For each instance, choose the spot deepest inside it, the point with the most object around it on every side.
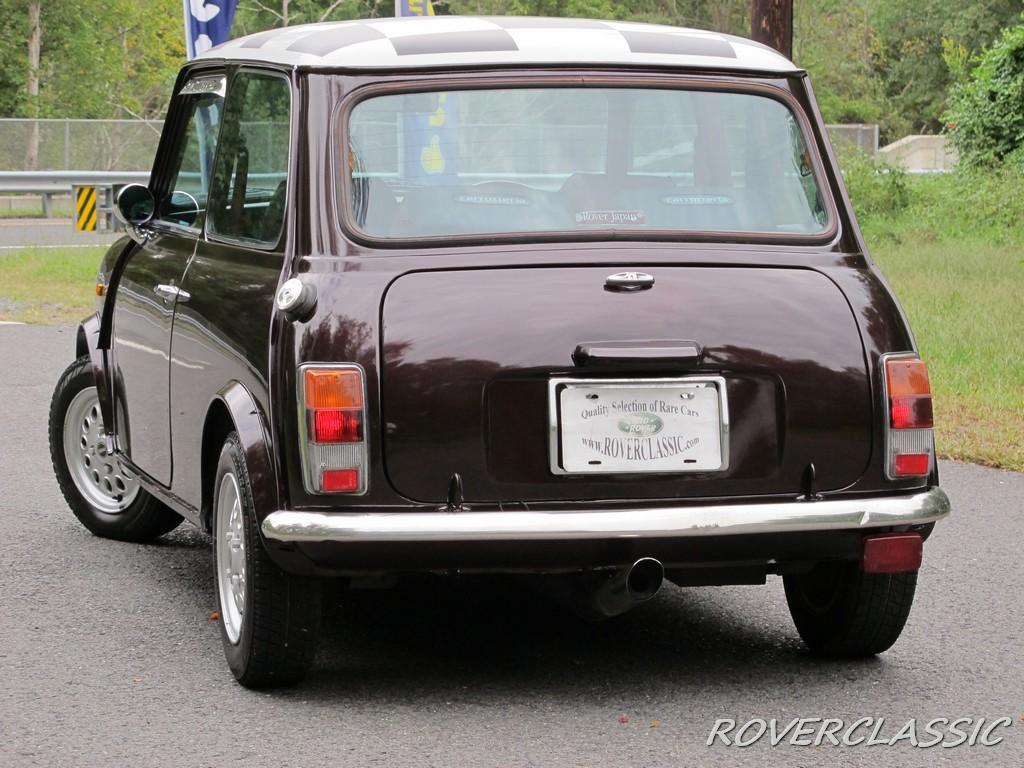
(189, 189)
(250, 182)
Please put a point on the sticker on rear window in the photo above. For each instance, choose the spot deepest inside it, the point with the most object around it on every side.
(492, 199)
(697, 200)
(610, 218)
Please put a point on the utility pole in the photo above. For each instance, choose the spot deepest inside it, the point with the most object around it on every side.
(771, 23)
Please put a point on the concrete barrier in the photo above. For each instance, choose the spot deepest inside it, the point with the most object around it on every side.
(921, 154)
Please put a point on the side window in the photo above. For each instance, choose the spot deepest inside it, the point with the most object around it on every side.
(250, 180)
(189, 188)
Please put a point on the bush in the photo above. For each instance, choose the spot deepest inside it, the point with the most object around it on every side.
(876, 188)
(985, 118)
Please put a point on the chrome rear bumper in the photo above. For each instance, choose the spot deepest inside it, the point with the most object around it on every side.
(640, 522)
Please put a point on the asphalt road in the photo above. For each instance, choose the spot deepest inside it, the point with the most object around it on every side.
(16, 234)
(108, 657)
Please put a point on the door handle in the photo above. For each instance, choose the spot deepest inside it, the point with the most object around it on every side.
(637, 353)
(171, 293)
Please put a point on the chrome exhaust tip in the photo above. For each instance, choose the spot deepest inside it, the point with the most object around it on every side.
(644, 579)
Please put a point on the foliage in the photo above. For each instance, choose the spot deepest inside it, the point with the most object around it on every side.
(99, 58)
(876, 187)
(986, 111)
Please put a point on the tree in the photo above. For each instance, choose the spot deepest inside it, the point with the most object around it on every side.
(986, 112)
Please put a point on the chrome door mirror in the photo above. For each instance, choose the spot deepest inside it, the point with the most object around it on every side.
(134, 206)
(180, 208)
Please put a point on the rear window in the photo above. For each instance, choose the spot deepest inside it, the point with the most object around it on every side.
(548, 160)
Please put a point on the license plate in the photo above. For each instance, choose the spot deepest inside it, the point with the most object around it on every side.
(638, 426)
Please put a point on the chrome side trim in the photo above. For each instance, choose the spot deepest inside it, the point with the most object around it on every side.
(657, 522)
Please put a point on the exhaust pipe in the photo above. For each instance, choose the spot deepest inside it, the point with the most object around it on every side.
(623, 589)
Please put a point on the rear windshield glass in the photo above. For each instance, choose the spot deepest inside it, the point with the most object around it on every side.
(531, 160)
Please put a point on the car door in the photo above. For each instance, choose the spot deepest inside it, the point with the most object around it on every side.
(221, 334)
(150, 285)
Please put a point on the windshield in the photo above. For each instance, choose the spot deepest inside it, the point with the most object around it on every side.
(541, 160)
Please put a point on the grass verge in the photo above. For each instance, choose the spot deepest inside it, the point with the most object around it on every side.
(48, 285)
(966, 306)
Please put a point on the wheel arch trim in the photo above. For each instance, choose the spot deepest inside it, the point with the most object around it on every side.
(234, 408)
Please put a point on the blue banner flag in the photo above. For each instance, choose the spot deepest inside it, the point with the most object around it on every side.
(430, 137)
(413, 8)
(207, 23)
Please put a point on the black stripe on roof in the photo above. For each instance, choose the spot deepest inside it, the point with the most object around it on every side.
(329, 40)
(455, 42)
(536, 22)
(257, 41)
(680, 45)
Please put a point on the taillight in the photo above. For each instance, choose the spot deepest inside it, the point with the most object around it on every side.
(332, 413)
(910, 447)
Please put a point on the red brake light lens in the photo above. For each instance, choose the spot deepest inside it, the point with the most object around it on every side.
(336, 426)
(910, 412)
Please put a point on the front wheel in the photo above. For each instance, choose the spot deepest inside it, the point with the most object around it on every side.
(842, 612)
(104, 495)
(269, 619)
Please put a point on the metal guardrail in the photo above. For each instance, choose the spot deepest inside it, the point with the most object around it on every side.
(61, 182)
(49, 183)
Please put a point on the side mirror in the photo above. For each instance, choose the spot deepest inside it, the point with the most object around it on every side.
(181, 208)
(135, 205)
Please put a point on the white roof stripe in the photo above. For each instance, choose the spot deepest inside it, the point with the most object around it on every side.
(439, 41)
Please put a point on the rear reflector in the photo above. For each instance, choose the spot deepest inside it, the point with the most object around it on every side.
(340, 480)
(911, 464)
(892, 553)
(910, 443)
(333, 416)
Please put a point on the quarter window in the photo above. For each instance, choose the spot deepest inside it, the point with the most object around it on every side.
(189, 186)
(251, 179)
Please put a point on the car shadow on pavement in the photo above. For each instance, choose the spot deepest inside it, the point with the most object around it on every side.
(494, 637)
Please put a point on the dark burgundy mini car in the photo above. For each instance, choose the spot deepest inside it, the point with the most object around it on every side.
(583, 300)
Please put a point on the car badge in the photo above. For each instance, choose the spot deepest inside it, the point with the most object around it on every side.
(627, 282)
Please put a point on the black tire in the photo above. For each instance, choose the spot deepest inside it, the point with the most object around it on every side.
(842, 612)
(280, 620)
(144, 519)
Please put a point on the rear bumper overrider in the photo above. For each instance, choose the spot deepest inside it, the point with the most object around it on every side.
(481, 524)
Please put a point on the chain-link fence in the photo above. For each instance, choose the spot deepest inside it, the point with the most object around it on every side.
(81, 145)
(129, 145)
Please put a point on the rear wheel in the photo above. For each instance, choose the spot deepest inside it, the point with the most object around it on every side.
(842, 612)
(269, 619)
(104, 495)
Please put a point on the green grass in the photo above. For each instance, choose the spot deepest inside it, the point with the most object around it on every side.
(952, 247)
(48, 285)
(966, 306)
(36, 212)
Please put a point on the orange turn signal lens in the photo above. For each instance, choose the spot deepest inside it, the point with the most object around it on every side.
(907, 376)
(333, 388)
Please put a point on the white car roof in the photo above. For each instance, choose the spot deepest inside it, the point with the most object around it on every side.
(452, 41)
